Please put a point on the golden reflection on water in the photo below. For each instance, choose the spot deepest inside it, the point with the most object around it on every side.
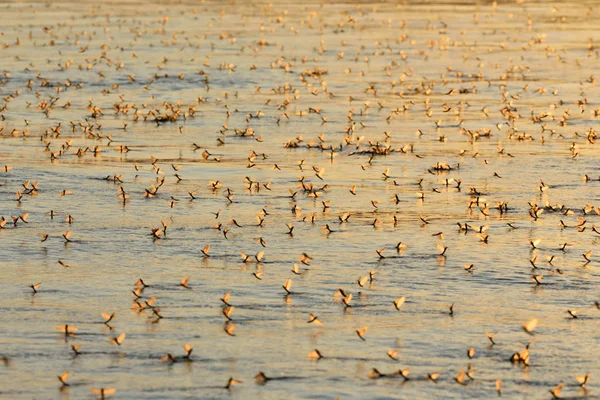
(480, 107)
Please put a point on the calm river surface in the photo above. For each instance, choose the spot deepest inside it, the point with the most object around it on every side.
(413, 118)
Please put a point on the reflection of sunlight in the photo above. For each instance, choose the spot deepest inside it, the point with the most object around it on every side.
(443, 152)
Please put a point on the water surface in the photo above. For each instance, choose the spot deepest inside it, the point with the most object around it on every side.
(375, 71)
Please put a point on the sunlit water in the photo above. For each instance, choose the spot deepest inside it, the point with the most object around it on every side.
(395, 58)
